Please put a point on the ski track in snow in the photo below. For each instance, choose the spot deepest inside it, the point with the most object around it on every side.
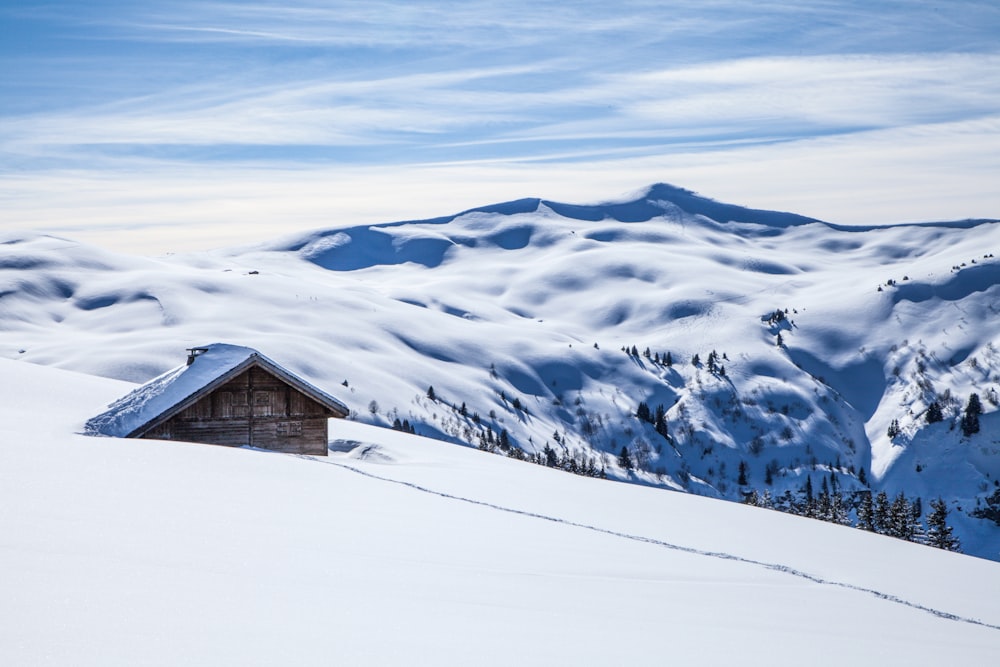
(775, 567)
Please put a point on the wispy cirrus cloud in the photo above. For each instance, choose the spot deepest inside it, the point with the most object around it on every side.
(808, 27)
(787, 98)
(388, 23)
(718, 104)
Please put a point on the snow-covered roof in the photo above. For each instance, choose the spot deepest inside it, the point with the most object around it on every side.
(168, 394)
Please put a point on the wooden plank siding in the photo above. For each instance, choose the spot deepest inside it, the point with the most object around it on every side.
(255, 408)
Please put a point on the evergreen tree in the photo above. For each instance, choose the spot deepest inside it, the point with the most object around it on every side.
(866, 512)
(504, 441)
(939, 533)
(660, 420)
(430, 393)
(742, 478)
(970, 420)
(824, 505)
(624, 459)
(902, 522)
(669, 360)
(915, 531)
(974, 407)
(881, 515)
(838, 509)
(551, 458)
(934, 413)
(695, 360)
(899, 517)
(893, 430)
(642, 412)
(808, 508)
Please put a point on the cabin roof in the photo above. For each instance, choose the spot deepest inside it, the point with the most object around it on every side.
(163, 397)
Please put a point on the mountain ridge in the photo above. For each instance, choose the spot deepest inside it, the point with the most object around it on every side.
(374, 242)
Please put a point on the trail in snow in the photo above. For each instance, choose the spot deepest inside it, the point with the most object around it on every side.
(776, 567)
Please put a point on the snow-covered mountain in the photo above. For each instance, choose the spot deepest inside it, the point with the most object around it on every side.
(814, 341)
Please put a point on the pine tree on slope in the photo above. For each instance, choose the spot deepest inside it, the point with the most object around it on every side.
(624, 460)
(866, 512)
(970, 420)
(838, 509)
(939, 533)
(881, 514)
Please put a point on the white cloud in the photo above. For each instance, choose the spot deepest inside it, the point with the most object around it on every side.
(764, 99)
(314, 112)
(929, 172)
(387, 23)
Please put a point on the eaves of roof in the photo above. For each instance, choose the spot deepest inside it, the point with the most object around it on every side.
(255, 359)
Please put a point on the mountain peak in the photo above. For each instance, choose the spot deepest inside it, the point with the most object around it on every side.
(694, 203)
(645, 207)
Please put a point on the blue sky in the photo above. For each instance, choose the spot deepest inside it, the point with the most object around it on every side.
(165, 125)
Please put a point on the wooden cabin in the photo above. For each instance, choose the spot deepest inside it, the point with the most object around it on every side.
(226, 395)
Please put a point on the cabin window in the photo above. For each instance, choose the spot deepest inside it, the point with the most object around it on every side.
(263, 403)
(289, 428)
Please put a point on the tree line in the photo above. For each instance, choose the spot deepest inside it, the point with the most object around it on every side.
(900, 517)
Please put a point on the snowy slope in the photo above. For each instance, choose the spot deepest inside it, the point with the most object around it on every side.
(534, 300)
(403, 550)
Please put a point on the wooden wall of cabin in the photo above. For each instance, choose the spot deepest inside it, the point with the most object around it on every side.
(280, 417)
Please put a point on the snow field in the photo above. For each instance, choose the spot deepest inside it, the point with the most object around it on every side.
(402, 550)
